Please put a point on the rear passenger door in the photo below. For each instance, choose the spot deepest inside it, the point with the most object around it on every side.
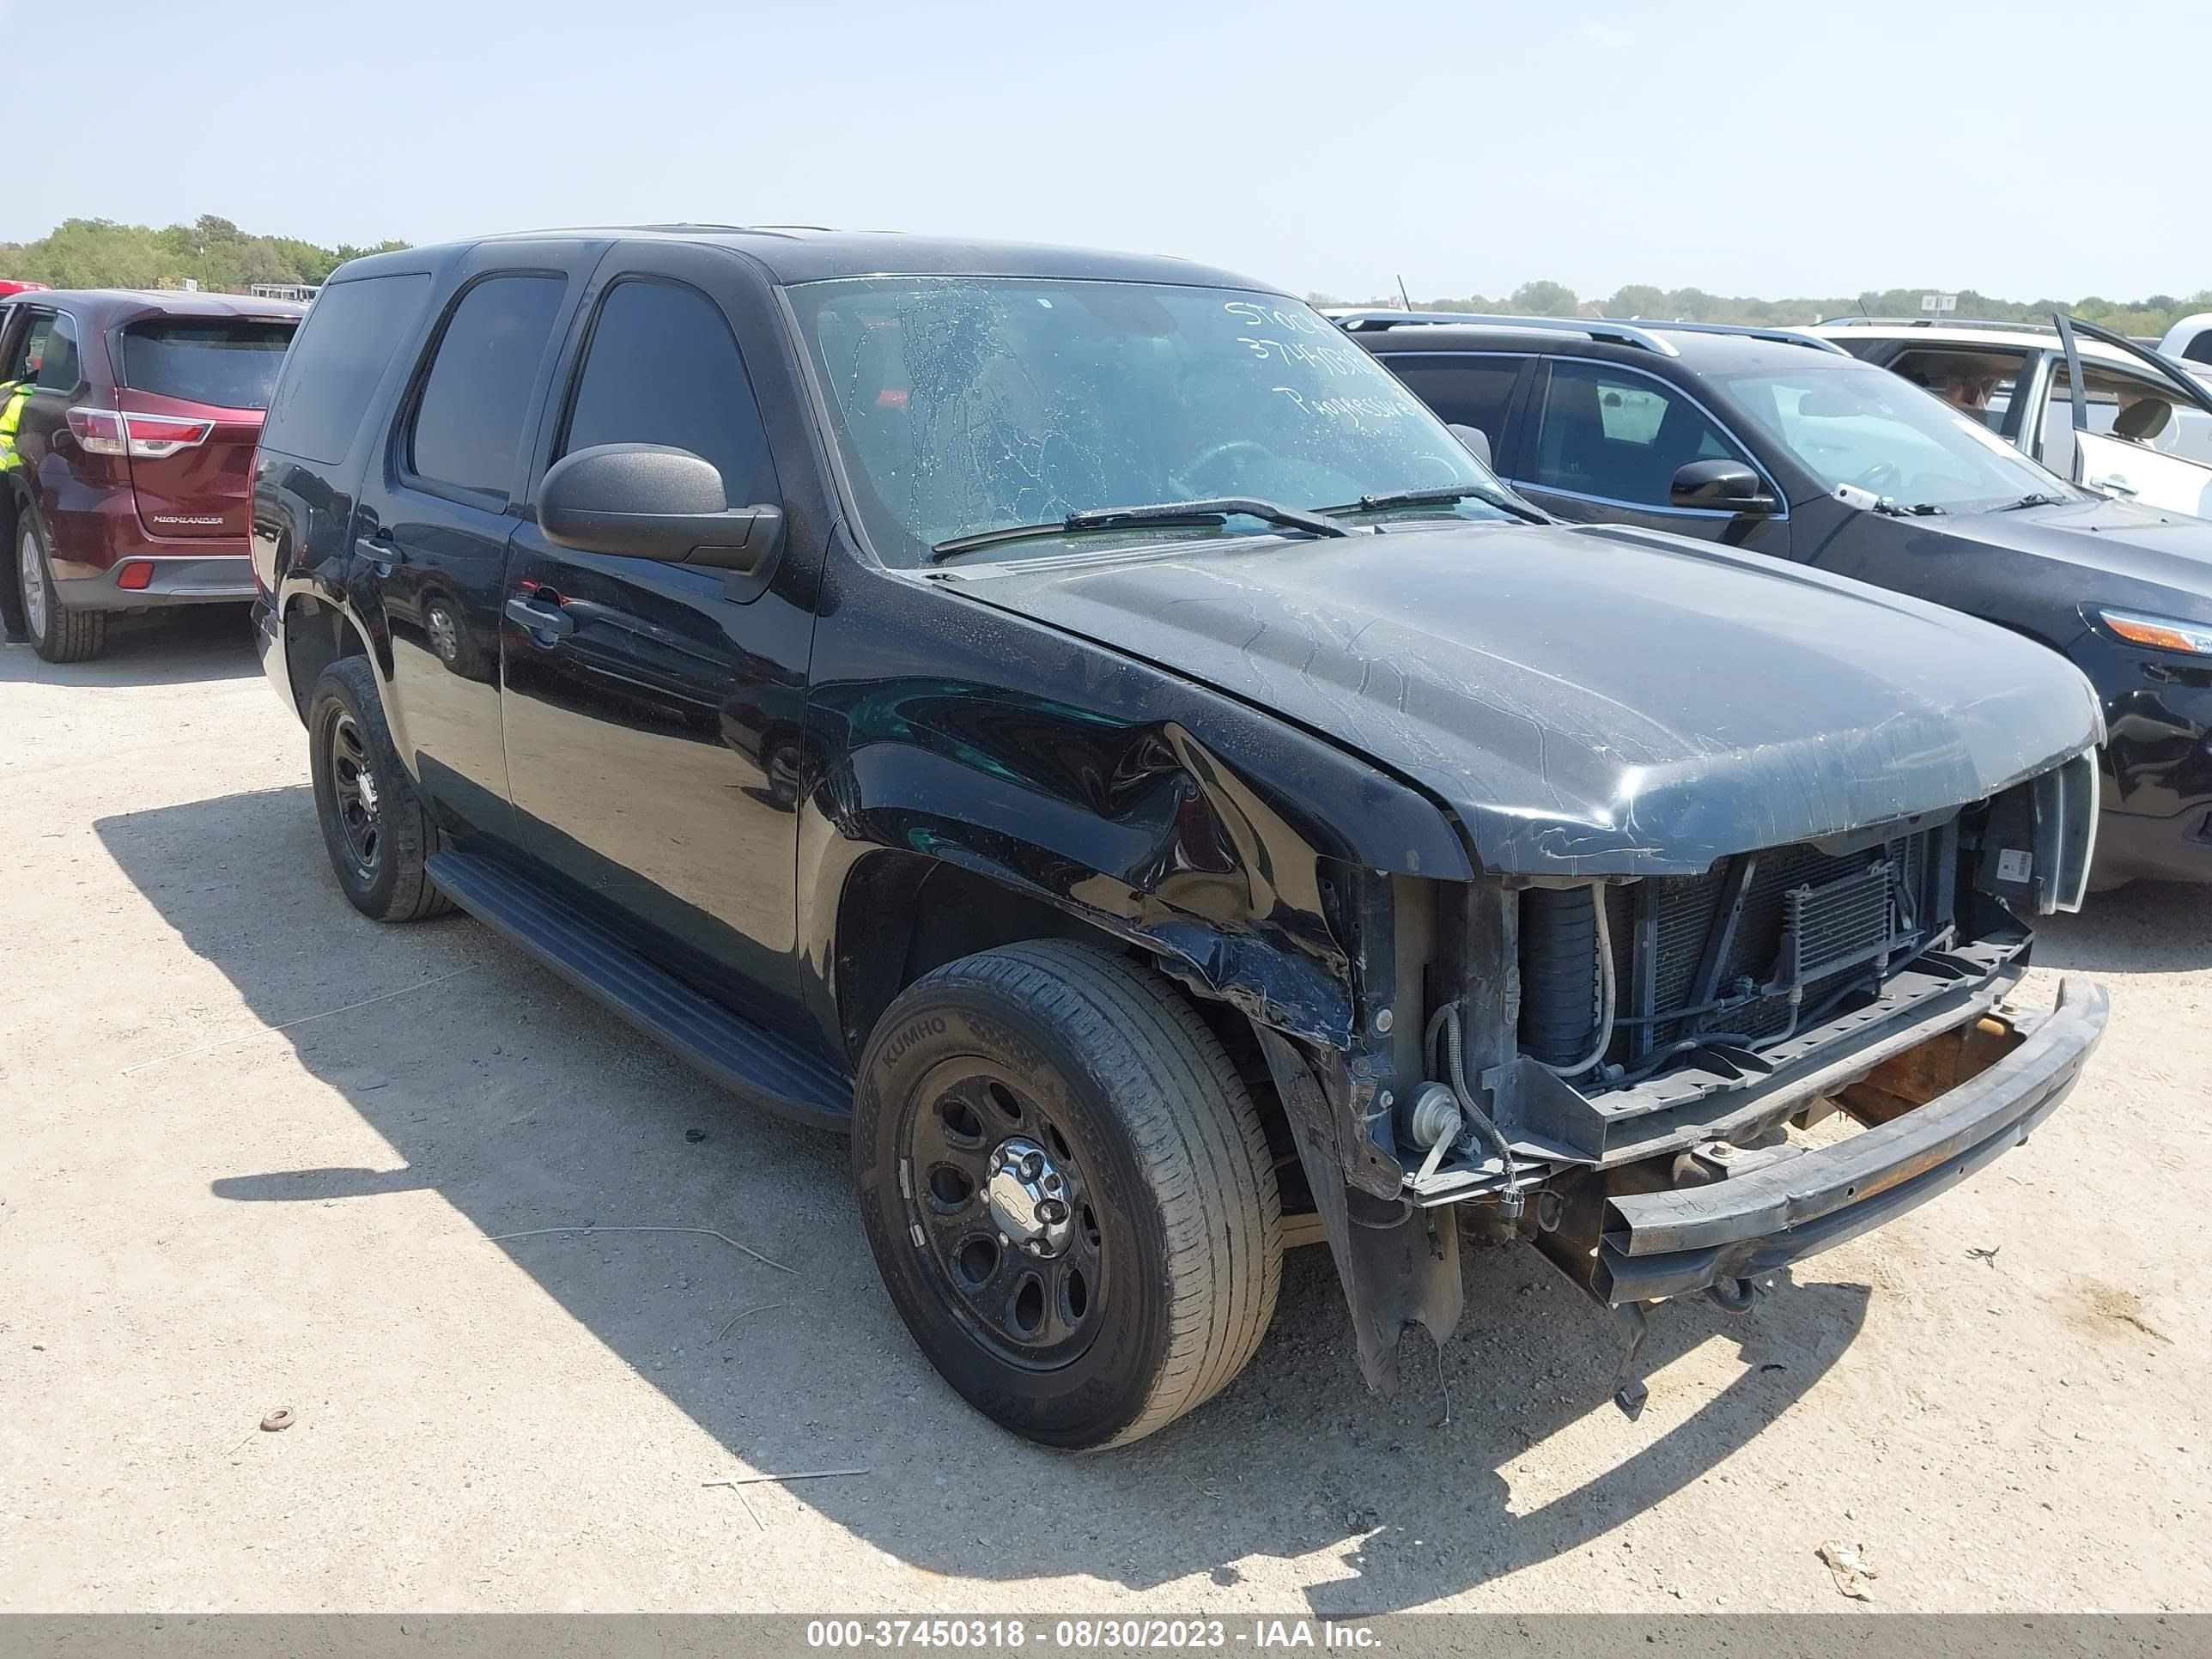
(435, 511)
(653, 710)
(1604, 442)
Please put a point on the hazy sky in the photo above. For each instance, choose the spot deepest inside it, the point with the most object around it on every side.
(1771, 149)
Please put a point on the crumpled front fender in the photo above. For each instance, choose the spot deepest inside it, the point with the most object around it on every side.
(1141, 828)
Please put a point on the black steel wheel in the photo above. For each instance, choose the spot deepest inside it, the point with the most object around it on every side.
(1001, 1197)
(375, 827)
(353, 792)
(1068, 1189)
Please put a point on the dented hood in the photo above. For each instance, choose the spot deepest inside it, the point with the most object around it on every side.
(1590, 700)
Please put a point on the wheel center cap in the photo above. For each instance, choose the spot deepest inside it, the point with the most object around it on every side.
(1029, 1197)
(368, 780)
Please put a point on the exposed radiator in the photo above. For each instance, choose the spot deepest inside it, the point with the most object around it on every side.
(1719, 956)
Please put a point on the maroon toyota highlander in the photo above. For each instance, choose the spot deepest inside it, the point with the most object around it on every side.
(127, 427)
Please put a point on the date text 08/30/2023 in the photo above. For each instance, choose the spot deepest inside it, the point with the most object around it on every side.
(1084, 1635)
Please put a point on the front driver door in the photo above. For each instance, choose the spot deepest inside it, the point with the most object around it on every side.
(2129, 466)
(1604, 445)
(653, 711)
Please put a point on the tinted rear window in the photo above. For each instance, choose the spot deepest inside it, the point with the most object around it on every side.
(468, 425)
(342, 351)
(231, 365)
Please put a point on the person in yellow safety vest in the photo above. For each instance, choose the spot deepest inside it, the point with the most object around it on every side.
(16, 393)
(11, 415)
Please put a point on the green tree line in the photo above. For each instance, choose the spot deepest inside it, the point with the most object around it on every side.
(2152, 316)
(219, 256)
(215, 252)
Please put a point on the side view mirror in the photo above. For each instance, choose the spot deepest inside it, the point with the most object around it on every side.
(1728, 486)
(650, 501)
(1478, 443)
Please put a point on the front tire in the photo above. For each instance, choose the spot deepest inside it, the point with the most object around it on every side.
(1068, 1191)
(57, 633)
(375, 827)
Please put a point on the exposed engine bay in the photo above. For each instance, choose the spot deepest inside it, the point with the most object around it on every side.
(1612, 1040)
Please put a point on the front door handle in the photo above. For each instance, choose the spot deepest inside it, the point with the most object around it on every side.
(544, 621)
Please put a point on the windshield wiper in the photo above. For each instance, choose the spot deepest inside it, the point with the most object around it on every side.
(1209, 512)
(2041, 498)
(1917, 510)
(1432, 496)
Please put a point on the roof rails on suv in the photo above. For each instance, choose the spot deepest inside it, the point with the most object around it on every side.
(1638, 334)
(1855, 320)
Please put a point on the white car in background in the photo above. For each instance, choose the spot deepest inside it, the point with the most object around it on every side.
(2189, 342)
(2139, 428)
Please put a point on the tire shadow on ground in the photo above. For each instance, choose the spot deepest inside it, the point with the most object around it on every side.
(186, 646)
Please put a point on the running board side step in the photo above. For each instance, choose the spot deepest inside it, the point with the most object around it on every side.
(728, 1048)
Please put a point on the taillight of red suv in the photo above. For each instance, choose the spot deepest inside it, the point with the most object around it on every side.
(144, 437)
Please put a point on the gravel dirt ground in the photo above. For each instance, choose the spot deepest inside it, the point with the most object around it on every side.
(257, 1152)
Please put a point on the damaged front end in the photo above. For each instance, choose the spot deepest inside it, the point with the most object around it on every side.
(1624, 1071)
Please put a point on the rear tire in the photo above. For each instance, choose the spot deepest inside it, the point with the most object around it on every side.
(57, 632)
(374, 828)
(1150, 1195)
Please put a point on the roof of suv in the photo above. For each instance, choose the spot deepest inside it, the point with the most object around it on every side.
(161, 302)
(2032, 337)
(804, 253)
(1699, 347)
(2005, 337)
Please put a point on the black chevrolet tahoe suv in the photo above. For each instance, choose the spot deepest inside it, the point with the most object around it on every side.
(1076, 724)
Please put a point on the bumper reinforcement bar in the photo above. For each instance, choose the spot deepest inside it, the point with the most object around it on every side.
(1670, 1243)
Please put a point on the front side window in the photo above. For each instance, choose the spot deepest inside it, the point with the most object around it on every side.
(27, 361)
(1867, 428)
(664, 368)
(1613, 434)
(1978, 383)
(468, 423)
(227, 364)
(964, 405)
(59, 369)
(347, 341)
(1467, 390)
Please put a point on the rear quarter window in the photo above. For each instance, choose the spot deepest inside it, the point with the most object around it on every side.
(228, 364)
(341, 352)
(1466, 390)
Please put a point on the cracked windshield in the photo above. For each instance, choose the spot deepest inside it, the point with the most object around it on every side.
(963, 406)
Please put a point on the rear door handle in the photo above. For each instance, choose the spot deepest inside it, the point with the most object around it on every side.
(545, 621)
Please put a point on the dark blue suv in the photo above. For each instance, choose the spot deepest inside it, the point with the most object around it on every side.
(1777, 441)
